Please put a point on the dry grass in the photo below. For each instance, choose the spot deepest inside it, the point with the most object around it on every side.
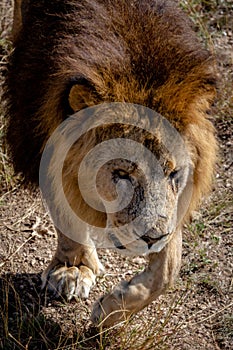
(6, 171)
(34, 330)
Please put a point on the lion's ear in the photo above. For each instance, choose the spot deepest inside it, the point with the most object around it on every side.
(82, 94)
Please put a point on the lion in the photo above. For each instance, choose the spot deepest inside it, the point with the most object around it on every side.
(71, 56)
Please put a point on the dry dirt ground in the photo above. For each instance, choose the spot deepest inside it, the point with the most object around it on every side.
(196, 314)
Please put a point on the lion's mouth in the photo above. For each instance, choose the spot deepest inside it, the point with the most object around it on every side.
(149, 238)
(116, 241)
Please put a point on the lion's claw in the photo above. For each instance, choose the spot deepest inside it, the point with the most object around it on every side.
(69, 282)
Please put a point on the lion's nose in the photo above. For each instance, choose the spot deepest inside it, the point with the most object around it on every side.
(152, 236)
(148, 240)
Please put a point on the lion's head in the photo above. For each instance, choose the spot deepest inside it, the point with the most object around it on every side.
(123, 172)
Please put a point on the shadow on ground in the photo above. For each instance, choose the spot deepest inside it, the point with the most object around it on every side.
(25, 325)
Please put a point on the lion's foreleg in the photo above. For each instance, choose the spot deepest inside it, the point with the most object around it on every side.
(130, 297)
(73, 269)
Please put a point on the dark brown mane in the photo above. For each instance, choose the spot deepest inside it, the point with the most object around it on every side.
(141, 52)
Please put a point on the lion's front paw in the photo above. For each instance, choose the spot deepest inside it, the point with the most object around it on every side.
(69, 282)
(110, 309)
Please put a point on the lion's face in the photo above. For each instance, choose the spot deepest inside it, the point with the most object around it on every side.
(144, 202)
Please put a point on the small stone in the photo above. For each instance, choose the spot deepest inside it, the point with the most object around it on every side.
(139, 261)
(33, 262)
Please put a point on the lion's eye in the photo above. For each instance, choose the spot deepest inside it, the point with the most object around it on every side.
(120, 174)
(174, 178)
